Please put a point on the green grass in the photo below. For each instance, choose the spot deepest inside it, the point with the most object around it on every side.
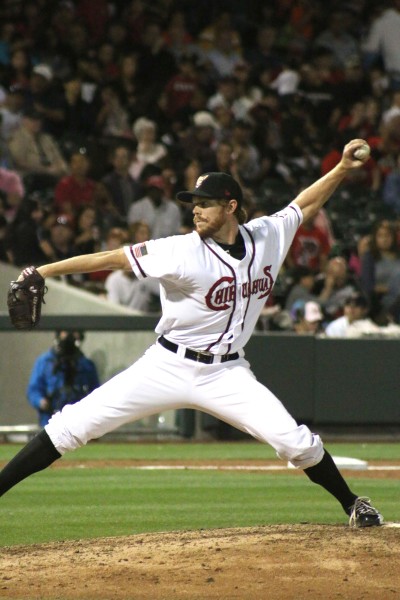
(213, 450)
(75, 503)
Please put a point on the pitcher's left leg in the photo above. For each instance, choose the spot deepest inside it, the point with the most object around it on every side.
(237, 398)
(234, 395)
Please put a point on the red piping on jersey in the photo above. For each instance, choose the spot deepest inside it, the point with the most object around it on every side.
(297, 214)
(249, 272)
(234, 303)
(137, 262)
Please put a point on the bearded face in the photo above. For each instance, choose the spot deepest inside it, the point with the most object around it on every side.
(209, 216)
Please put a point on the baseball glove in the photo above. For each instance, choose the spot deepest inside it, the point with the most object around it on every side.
(25, 299)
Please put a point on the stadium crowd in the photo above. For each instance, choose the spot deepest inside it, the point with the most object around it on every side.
(107, 108)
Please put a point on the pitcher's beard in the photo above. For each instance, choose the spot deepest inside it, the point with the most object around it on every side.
(207, 229)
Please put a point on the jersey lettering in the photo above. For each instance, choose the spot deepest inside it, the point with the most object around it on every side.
(222, 296)
(264, 285)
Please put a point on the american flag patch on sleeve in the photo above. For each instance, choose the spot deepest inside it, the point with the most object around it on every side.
(140, 250)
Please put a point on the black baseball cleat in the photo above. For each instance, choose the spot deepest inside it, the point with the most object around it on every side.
(364, 515)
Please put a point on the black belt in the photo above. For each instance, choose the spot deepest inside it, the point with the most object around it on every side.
(208, 359)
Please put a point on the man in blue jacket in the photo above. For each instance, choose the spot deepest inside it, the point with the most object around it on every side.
(62, 375)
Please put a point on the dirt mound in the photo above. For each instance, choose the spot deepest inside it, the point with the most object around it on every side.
(285, 562)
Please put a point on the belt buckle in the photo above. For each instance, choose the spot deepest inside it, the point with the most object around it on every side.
(204, 357)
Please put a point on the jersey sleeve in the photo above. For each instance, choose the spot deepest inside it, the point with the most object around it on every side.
(159, 258)
(278, 230)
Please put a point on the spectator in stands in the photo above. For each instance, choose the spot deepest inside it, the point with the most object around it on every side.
(106, 56)
(46, 98)
(112, 118)
(78, 121)
(76, 189)
(149, 150)
(382, 41)
(180, 89)
(124, 288)
(337, 38)
(380, 265)
(318, 95)
(11, 113)
(224, 56)
(161, 214)
(264, 55)
(35, 152)
(334, 285)
(25, 236)
(355, 321)
(12, 188)
(176, 36)
(123, 189)
(77, 48)
(393, 110)
(207, 39)
(156, 64)
(139, 231)
(62, 19)
(360, 246)
(224, 122)
(61, 239)
(117, 34)
(303, 282)
(126, 84)
(135, 15)
(310, 248)
(235, 93)
(62, 375)
(18, 72)
(114, 238)
(287, 81)
(225, 159)
(87, 231)
(246, 155)
(307, 317)
(199, 141)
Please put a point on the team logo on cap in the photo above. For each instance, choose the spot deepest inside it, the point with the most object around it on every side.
(200, 180)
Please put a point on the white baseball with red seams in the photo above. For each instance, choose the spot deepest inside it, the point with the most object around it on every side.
(211, 302)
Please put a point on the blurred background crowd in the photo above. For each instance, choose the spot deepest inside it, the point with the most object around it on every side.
(107, 108)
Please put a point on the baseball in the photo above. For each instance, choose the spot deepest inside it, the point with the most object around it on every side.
(362, 152)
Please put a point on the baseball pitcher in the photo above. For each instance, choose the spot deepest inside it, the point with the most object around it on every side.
(214, 283)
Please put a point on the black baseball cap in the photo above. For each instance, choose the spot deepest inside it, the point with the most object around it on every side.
(357, 299)
(216, 186)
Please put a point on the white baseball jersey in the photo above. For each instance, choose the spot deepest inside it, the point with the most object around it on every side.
(211, 301)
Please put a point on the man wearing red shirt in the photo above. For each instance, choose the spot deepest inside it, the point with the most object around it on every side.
(76, 189)
(310, 247)
(180, 89)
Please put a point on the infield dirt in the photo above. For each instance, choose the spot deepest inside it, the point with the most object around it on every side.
(277, 562)
(285, 562)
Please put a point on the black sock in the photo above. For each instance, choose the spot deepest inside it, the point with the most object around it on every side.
(327, 474)
(38, 454)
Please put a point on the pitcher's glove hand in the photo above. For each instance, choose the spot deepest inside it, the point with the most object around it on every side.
(25, 298)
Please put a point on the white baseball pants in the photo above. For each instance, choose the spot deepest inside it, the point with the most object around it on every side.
(161, 380)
